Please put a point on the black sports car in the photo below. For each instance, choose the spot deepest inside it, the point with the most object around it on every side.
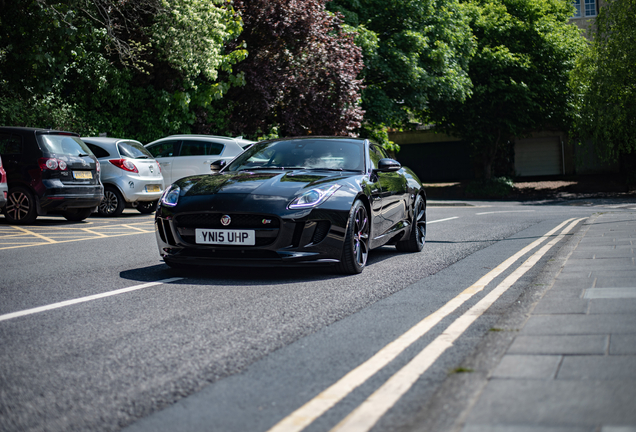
(297, 201)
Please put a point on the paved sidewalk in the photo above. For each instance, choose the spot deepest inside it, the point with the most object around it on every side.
(572, 365)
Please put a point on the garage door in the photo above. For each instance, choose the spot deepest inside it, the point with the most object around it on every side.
(538, 156)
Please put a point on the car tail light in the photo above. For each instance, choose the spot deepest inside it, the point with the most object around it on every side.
(98, 167)
(124, 164)
(52, 164)
(159, 165)
(3, 174)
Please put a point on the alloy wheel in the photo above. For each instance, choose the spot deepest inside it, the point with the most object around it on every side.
(112, 204)
(20, 207)
(420, 222)
(361, 236)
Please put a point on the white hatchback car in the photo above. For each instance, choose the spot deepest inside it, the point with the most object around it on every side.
(185, 155)
(130, 175)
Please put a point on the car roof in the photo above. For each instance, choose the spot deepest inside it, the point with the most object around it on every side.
(204, 137)
(106, 140)
(319, 137)
(33, 129)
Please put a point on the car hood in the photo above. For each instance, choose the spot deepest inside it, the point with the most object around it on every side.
(284, 185)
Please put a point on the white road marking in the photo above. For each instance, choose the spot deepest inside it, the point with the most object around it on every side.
(83, 299)
(506, 211)
(375, 406)
(443, 220)
(306, 414)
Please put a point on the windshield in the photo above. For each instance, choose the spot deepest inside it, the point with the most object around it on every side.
(64, 145)
(133, 149)
(320, 153)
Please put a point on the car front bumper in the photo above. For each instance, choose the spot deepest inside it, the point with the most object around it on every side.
(316, 238)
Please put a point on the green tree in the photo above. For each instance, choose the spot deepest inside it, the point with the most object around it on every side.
(605, 78)
(140, 69)
(301, 74)
(415, 52)
(526, 50)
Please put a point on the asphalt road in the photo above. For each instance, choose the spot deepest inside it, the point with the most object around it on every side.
(237, 349)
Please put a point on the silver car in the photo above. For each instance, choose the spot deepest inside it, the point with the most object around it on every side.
(185, 155)
(131, 176)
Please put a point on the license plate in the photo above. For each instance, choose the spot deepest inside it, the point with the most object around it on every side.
(153, 188)
(82, 174)
(225, 237)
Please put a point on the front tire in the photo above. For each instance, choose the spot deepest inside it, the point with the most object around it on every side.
(113, 203)
(21, 207)
(77, 215)
(355, 249)
(417, 237)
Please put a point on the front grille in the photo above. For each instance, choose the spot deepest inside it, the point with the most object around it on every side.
(266, 227)
(298, 232)
(239, 221)
(322, 229)
(160, 230)
(165, 232)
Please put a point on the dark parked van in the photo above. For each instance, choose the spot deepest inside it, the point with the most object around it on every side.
(48, 171)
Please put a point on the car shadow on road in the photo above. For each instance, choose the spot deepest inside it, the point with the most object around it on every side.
(250, 274)
(232, 275)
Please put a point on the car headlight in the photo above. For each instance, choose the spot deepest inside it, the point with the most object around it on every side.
(313, 197)
(170, 196)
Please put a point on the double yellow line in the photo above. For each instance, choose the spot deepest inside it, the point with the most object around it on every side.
(375, 406)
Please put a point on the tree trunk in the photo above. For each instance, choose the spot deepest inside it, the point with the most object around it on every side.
(490, 155)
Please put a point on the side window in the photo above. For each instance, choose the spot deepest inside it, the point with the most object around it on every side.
(164, 149)
(192, 148)
(98, 151)
(10, 144)
(376, 153)
(200, 148)
(214, 149)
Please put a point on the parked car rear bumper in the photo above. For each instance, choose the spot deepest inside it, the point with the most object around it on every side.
(135, 189)
(68, 197)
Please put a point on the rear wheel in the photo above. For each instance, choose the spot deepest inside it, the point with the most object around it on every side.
(417, 237)
(147, 207)
(113, 203)
(356, 244)
(78, 214)
(20, 207)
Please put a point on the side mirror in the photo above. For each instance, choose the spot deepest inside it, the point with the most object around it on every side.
(218, 165)
(388, 165)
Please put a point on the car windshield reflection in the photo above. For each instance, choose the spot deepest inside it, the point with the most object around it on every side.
(309, 154)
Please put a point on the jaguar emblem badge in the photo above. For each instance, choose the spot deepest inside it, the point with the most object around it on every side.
(226, 220)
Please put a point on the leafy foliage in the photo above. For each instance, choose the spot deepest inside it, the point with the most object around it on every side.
(192, 37)
(415, 51)
(606, 80)
(526, 50)
(137, 69)
(300, 75)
